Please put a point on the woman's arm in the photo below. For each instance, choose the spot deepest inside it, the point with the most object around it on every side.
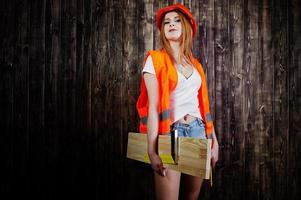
(214, 149)
(152, 123)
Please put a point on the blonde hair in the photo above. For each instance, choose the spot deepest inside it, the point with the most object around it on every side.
(185, 43)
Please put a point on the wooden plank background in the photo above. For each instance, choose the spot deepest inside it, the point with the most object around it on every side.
(69, 81)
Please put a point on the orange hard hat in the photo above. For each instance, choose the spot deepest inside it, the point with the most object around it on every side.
(179, 7)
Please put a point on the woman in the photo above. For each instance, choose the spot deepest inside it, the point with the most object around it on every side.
(174, 96)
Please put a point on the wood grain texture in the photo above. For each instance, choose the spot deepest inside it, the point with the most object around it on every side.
(194, 156)
(280, 94)
(264, 118)
(294, 87)
(70, 77)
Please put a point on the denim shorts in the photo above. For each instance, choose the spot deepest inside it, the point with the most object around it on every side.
(194, 129)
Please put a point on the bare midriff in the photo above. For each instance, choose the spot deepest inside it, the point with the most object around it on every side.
(186, 119)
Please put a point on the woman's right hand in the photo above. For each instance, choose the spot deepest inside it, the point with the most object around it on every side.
(157, 164)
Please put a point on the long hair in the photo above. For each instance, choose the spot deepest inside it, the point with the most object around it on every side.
(185, 40)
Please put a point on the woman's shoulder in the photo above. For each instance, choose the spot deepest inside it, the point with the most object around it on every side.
(154, 53)
(157, 57)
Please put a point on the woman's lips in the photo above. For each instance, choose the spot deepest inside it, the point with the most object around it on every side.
(173, 29)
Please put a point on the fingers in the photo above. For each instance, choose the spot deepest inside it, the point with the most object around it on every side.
(214, 158)
(157, 165)
(160, 169)
(163, 170)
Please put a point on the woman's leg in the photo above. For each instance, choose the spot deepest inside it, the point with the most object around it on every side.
(167, 187)
(191, 187)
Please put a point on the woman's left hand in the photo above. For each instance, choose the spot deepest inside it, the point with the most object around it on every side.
(214, 152)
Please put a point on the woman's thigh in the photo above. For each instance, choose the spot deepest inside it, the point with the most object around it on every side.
(167, 187)
(190, 187)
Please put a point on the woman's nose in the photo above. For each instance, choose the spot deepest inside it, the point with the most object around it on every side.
(172, 24)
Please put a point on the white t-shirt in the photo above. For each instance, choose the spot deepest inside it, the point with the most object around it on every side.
(184, 99)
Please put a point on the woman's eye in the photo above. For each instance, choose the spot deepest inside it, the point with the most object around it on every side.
(166, 22)
(178, 20)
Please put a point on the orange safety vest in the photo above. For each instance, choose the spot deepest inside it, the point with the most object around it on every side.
(167, 80)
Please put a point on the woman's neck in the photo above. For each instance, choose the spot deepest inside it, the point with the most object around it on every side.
(175, 46)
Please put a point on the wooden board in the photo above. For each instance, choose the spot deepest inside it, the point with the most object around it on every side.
(137, 148)
(192, 154)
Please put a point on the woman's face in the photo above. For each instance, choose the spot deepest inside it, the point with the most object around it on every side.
(172, 26)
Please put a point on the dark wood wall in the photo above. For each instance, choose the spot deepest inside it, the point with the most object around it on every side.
(69, 81)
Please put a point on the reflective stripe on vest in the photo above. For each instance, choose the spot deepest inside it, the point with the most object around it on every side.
(208, 117)
(164, 115)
